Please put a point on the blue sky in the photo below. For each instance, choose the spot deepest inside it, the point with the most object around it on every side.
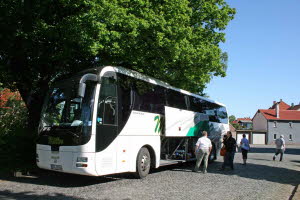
(263, 44)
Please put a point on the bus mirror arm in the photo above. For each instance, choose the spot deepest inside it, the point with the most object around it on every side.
(82, 85)
(81, 89)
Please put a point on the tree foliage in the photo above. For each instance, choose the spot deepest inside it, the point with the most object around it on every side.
(17, 149)
(231, 118)
(173, 40)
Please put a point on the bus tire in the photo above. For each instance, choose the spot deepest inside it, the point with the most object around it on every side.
(143, 163)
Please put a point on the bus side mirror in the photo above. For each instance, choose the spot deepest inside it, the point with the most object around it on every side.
(82, 85)
(81, 89)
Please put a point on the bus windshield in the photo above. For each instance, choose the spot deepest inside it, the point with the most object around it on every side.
(67, 116)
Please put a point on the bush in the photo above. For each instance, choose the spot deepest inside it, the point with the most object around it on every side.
(17, 152)
(17, 142)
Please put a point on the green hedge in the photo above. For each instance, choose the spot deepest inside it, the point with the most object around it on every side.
(17, 142)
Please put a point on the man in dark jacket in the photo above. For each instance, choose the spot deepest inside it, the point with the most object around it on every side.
(230, 146)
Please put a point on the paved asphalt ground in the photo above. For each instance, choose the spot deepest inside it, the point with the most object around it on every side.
(261, 178)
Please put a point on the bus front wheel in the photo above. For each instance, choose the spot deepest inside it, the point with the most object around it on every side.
(143, 163)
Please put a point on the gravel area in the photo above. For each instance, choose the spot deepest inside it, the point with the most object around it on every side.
(261, 178)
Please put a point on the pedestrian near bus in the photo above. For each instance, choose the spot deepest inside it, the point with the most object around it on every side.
(230, 146)
(224, 138)
(280, 147)
(245, 148)
(202, 151)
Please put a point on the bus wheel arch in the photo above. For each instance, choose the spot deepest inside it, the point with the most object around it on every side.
(144, 161)
(152, 156)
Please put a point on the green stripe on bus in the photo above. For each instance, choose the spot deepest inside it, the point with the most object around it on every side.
(195, 130)
(157, 127)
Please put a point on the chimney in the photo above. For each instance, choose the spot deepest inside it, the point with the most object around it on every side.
(280, 100)
(292, 105)
(277, 110)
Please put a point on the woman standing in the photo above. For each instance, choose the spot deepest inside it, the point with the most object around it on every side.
(230, 146)
(245, 148)
(224, 139)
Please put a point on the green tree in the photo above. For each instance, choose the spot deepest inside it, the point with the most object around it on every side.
(237, 126)
(231, 118)
(173, 40)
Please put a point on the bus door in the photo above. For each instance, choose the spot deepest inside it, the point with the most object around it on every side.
(106, 129)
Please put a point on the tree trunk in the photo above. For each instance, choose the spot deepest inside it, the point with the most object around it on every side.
(34, 107)
(34, 102)
(33, 93)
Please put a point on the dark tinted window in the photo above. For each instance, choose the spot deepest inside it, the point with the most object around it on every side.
(196, 104)
(176, 99)
(140, 95)
(148, 97)
(143, 96)
(215, 112)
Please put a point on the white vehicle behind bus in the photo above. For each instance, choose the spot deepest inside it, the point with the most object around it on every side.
(111, 120)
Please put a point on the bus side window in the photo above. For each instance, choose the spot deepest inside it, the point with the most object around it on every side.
(176, 99)
(196, 104)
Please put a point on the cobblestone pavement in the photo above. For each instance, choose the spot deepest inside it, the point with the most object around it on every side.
(261, 178)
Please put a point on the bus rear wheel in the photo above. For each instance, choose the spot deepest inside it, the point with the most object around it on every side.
(143, 163)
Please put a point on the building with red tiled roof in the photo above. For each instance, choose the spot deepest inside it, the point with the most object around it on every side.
(282, 105)
(270, 114)
(279, 119)
(294, 107)
(245, 123)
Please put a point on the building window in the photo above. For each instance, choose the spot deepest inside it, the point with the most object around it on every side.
(290, 137)
(275, 124)
(291, 124)
(274, 136)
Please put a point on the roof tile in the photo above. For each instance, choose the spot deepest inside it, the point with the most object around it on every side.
(282, 105)
(270, 114)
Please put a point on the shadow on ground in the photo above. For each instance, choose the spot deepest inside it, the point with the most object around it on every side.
(57, 179)
(6, 194)
(251, 171)
(296, 161)
(289, 150)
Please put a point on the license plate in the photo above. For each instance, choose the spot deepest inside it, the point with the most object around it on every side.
(56, 167)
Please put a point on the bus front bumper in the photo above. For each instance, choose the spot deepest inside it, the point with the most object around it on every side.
(67, 161)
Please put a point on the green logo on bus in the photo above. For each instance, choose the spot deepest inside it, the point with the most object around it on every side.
(55, 141)
(158, 124)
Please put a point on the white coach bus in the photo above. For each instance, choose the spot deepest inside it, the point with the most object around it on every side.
(109, 120)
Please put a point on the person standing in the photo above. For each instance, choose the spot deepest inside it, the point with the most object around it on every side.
(202, 151)
(224, 138)
(230, 146)
(280, 147)
(245, 148)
